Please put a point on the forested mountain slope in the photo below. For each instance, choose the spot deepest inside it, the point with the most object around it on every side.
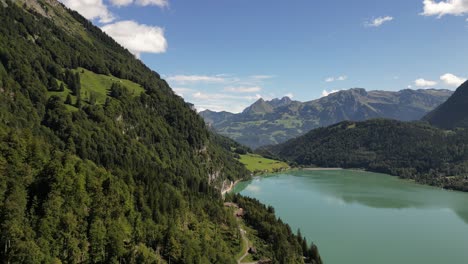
(454, 112)
(100, 162)
(412, 150)
(272, 122)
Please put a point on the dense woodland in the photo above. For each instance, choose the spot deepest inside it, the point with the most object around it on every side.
(286, 246)
(411, 150)
(131, 180)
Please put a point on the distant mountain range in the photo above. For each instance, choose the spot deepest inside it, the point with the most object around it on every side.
(272, 122)
(413, 150)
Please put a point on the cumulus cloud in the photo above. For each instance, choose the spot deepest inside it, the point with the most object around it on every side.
(191, 79)
(160, 3)
(424, 83)
(327, 93)
(339, 78)
(137, 38)
(442, 8)
(243, 89)
(91, 9)
(290, 95)
(379, 21)
(452, 80)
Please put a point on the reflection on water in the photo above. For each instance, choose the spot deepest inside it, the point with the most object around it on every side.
(373, 190)
(353, 211)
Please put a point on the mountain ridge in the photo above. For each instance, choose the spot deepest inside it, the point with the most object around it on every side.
(277, 120)
(452, 113)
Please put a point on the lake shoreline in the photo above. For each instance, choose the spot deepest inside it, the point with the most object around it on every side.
(227, 190)
(321, 169)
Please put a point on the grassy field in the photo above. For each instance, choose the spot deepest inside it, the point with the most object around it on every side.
(256, 163)
(100, 85)
(97, 84)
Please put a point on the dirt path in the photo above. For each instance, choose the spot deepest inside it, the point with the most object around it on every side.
(246, 241)
(238, 212)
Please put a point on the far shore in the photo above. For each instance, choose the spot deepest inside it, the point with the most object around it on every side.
(321, 169)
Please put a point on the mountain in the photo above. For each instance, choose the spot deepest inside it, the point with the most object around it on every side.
(100, 162)
(411, 150)
(271, 122)
(216, 117)
(453, 113)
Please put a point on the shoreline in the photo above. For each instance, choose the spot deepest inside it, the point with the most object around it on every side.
(322, 169)
(227, 190)
(233, 184)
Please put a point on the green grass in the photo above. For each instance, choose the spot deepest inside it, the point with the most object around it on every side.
(100, 84)
(97, 84)
(257, 163)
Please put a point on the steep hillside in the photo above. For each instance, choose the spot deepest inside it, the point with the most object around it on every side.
(453, 113)
(412, 150)
(100, 162)
(272, 122)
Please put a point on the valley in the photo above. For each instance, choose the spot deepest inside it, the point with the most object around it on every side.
(199, 132)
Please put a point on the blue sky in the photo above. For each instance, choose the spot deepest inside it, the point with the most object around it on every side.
(224, 55)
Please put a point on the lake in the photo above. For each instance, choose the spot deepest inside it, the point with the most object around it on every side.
(362, 217)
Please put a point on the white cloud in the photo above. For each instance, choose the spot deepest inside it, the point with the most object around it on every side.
(290, 95)
(221, 101)
(452, 80)
(121, 2)
(379, 21)
(424, 83)
(339, 78)
(327, 93)
(91, 9)
(160, 3)
(220, 92)
(243, 89)
(220, 96)
(219, 107)
(448, 7)
(137, 38)
(186, 79)
(261, 77)
(410, 86)
(182, 91)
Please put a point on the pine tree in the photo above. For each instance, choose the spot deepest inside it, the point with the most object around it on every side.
(68, 101)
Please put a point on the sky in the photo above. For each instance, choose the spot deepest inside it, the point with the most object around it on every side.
(223, 55)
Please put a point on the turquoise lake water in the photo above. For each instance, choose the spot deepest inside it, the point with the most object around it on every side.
(362, 217)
